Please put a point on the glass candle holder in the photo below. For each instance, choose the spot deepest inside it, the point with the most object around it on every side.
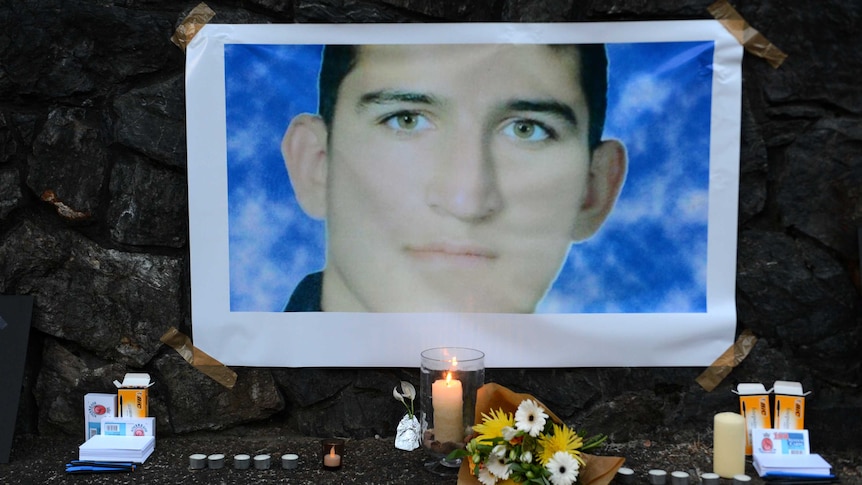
(448, 382)
(332, 453)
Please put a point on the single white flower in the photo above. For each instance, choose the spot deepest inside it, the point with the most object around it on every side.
(498, 467)
(408, 393)
(509, 433)
(486, 477)
(408, 390)
(526, 457)
(563, 468)
(499, 451)
(530, 418)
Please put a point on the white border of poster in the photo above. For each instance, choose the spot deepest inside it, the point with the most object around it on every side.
(328, 339)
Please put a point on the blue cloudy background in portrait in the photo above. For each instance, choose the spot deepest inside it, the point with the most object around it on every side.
(649, 257)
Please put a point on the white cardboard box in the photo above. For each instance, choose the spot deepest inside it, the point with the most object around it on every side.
(129, 426)
(96, 407)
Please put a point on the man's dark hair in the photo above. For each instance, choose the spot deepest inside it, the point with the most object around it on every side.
(339, 60)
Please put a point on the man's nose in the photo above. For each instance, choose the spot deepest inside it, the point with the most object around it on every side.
(464, 183)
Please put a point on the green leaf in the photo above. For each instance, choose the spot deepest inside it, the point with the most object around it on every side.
(455, 454)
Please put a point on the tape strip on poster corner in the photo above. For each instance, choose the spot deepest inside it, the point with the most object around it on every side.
(191, 25)
(732, 357)
(199, 359)
(750, 38)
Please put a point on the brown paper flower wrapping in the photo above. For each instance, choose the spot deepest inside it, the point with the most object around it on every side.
(599, 470)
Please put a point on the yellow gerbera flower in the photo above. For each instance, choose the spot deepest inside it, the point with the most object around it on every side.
(562, 439)
(492, 426)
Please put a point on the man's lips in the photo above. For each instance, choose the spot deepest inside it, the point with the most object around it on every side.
(466, 253)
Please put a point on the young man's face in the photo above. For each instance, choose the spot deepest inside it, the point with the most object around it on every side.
(455, 177)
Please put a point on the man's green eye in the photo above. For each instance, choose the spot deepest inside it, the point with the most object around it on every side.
(527, 130)
(524, 129)
(407, 121)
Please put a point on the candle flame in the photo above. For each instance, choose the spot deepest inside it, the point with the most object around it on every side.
(332, 451)
(448, 378)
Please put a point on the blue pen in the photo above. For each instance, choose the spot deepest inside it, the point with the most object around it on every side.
(96, 469)
(103, 463)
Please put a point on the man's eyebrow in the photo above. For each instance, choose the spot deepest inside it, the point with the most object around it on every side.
(387, 96)
(552, 107)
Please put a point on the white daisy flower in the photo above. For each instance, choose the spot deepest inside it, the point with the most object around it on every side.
(530, 418)
(563, 468)
(497, 465)
(486, 477)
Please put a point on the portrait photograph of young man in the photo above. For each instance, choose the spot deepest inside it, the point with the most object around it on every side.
(472, 185)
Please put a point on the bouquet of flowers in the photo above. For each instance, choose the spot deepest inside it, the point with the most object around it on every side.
(526, 447)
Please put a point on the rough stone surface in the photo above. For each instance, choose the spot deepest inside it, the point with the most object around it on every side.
(828, 158)
(69, 162)
(66, 375)
(10, 192)
(149, 205)
(151, 120)
(193, 401)
(112, 303)
(93, 209)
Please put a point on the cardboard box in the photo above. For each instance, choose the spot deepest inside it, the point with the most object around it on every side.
(114, 426)
(754, 407)
(132, 395)
(789, 405)
(96, 407)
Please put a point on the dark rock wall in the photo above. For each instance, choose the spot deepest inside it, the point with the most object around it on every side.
(93, 221)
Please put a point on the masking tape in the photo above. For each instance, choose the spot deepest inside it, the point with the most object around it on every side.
(198, 358)
(191, 25)
(752, 40)
(732, 357)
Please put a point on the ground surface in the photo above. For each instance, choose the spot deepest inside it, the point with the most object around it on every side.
(40, 459)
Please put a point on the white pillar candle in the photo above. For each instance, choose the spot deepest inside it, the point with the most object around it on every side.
(448, 403)
(728, 446)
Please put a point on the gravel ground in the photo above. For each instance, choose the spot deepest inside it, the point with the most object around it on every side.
(41, 459)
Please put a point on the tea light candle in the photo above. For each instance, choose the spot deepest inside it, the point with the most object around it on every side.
(625, 476)
(728, 448)
(289, 461)
(741, 479)
(447, 399)
(332, 460)
(710, 479)
(241, 462)
(198, 461)
(261, 462)
(679, 478)
(215, 461)
(657, 477)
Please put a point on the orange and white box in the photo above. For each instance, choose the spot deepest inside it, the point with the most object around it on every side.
(754, 407)
(96, 407)
(789, 405)
(132, 395)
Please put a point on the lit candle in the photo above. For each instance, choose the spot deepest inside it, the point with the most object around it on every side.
(728, 448)
(332, 460)
(447, 401)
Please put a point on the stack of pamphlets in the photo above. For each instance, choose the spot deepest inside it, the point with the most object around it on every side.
(135, 449)
(785, 453)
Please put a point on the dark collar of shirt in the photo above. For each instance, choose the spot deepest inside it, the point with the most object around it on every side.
(306, 296)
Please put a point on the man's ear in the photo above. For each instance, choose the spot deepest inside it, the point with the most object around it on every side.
(305, 156)
(608, 168)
